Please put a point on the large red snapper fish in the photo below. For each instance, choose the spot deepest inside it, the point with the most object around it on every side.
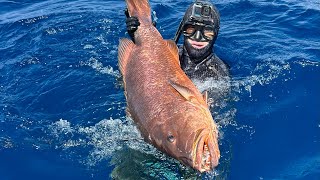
(166, 106)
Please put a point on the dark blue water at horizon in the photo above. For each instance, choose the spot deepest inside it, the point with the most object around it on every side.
(62, 108)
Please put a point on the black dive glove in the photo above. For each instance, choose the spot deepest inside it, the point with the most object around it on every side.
(132, 24)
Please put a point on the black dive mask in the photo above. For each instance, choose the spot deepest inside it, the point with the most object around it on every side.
(199, 31)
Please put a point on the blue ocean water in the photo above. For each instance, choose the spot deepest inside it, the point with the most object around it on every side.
(62, 108)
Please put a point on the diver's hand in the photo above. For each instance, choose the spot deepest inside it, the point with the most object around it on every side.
(132, 24)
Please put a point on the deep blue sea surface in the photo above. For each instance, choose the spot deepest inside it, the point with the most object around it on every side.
(62, 108)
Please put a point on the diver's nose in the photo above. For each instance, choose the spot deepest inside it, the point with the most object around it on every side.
(198, 36)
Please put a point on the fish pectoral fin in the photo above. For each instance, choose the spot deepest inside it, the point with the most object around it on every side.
(183, 91)
(173, 49)
(206, 98)
(124, 50)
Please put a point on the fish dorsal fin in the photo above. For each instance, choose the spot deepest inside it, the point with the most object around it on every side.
(124, 49)
(184, 92)
(173, 49)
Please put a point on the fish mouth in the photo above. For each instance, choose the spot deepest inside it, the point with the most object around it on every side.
(207, 153)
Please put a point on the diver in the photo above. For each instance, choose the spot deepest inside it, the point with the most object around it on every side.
(200, 27)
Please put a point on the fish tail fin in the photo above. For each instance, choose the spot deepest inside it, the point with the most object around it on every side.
(140, 9)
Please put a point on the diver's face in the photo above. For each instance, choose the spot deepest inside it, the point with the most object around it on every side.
(198, 35)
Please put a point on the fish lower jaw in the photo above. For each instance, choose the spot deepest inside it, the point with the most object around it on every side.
(203, 156)
(205, 162)
(206, 159)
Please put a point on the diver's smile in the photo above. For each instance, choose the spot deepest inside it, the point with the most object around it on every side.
(197, 44)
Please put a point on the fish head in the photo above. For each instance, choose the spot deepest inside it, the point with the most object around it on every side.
(191, 139)
(202, 137)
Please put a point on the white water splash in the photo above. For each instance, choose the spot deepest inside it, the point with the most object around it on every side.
(305, 63)
(226, 91)
(211, 84)
(6, 143)
(263, 74)
(61, 127)
(98, 66)
(105, 138)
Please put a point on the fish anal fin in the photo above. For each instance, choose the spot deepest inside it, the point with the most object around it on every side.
(184, 92)
(173, 49)
(124, 49)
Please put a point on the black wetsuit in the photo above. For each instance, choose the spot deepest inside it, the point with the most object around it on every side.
(211, 66)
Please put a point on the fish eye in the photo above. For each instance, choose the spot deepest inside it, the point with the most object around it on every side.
(171, 138)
